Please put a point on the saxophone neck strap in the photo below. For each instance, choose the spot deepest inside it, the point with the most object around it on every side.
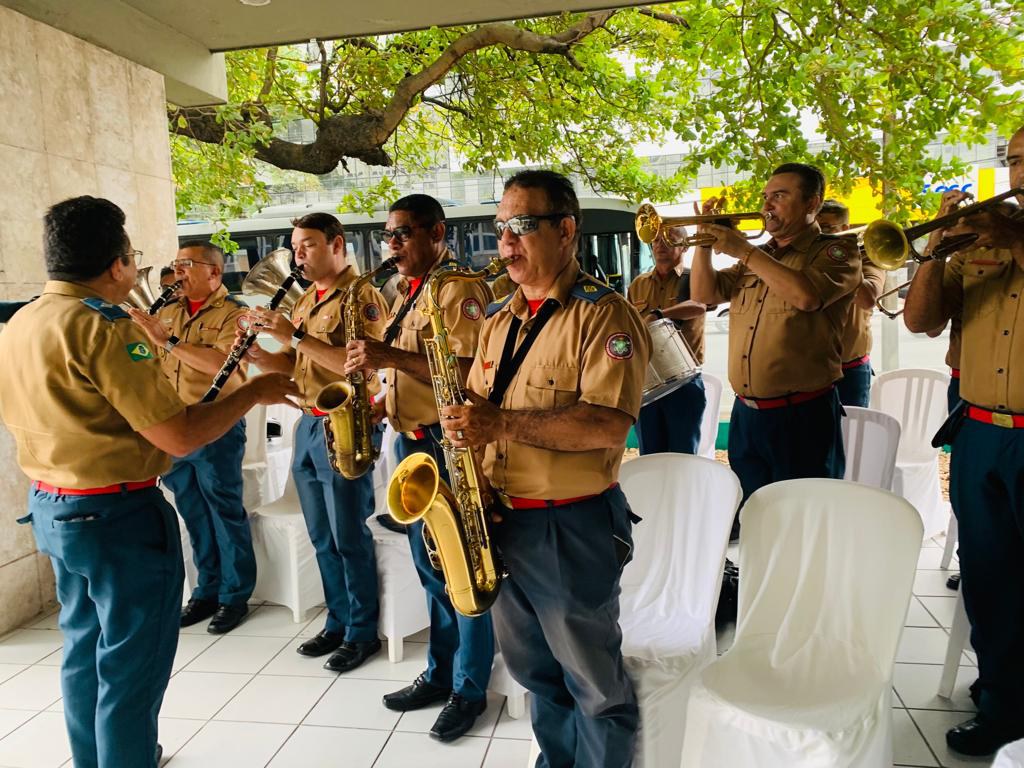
(396, 325)
(512, 358)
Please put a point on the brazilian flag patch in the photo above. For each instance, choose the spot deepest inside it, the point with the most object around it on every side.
(139, 351)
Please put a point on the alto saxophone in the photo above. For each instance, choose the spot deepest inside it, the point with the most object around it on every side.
(348, 425)
(455, 529)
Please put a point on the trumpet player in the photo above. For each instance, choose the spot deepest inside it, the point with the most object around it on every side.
(335, 508)
(558, 377)
(789, 301)
(855, 386)
(461, 649)
(672, 422)
(984, 285)
(193, 336)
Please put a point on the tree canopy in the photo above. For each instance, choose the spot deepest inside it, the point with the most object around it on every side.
(736, 80)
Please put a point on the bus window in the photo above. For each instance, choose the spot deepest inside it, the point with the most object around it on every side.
(604, 258)
(480, 244)
(356, 249)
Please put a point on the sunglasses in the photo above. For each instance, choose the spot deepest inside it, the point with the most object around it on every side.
(524, 225)
(401, 234)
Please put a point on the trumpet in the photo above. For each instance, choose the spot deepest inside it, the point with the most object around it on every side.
(650, 225)
(888, 245)
(947, 246)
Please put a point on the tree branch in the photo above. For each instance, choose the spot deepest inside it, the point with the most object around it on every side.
(446, 105)
(269, 74)
(668, 18)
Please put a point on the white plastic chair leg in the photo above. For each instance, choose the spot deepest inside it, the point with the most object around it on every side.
(396, 649)
(298, 614)
(958, 635)
(951, 536)
(516, 705)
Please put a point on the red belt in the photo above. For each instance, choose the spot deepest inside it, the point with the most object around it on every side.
(1007, 420)
(517, 502)
(116, 488)
(763, 403)
(954, 372)
(856, 363)
(415, 434)
(314, 412)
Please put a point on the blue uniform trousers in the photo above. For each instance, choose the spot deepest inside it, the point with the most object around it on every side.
(336, 510)
(987, 494)
(952, 393)
(794, 441)
(855, 386)
(557, 623)
(117, 559)
(207, 487)
(671, 424)
(461, 650)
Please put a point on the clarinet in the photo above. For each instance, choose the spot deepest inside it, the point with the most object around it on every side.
(163, 298)
(238, 351)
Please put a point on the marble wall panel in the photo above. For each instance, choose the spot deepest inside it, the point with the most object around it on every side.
(20, 593)
(111, 110)
(64, 85)
(20, 98)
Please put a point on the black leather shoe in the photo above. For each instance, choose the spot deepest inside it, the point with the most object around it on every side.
(979, 736)
(387, 521)
(416, 696)
(456, 718)
(953, 582)
(351, 655)
(196, 611)
(159, 754)
(227, 618)
(323, 643)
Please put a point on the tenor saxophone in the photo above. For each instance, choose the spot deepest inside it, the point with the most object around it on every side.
(348, 425)
(455, 529)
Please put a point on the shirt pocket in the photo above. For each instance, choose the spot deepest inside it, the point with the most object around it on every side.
(208, 336)
(982, 285)
(747, 289)
(327, 326)
(550, 387)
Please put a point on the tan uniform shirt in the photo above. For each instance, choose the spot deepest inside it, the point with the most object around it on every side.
(324, 320)
(213, 326)
(76, 386)
(776, 349)
(857, 331)
(589, 352)
(953, 353)
(985, 287)
(410, 403)
(650, 291)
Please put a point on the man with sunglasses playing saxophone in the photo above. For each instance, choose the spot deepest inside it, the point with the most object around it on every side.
(558, 378)
(194, 335)
(985, 285)
(461, 649)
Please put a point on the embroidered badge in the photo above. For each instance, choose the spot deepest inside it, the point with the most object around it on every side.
(471, 309)
(139, 351)
(371, 312)
(488, 364)
(836, 253)
(241, 323)
(590, 289)
(619, 346)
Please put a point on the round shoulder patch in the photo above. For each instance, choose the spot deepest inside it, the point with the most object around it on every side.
(836, 252)
(471, 309)
(371, 312)
(619, 346)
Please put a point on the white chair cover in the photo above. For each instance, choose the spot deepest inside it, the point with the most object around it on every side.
(384, 468)
(670, 589)
(505, 685)
(709, 424)
(808, 680)
(279, 451)
(871, 439)
(403, 603)
(1010, 756)
(255, 485)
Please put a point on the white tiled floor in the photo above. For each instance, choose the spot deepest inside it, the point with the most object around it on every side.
(248, 700)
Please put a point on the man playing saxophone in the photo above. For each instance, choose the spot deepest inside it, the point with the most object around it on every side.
(562, 362)
(335, 508)
(461, 649)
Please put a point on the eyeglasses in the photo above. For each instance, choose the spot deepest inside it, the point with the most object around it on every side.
(524, 225)
(398, 233)
(134, 254)
(186, 263)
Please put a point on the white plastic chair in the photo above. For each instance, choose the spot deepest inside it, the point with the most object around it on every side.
(808, 679)
(1010, 756)
(952, 535)
(871, 439)
(254, 461)
(670, 588)
(709, 424)
(505, 685)
(917, 398)
(403, 603)
(959, 640)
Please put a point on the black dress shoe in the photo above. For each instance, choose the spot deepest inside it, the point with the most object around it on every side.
(322, 644)
(457, 717)
(159, 754)
(953, 582)
(979, 736)
(351, 655)
(387, 521)
(196, 611)
(227, 618)
(416, 696)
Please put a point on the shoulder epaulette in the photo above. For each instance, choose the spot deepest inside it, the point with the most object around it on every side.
(589, 289)
(495, 306)
(236, 301)
(109, 311)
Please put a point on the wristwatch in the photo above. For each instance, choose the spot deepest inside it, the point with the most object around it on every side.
(171, 343)
(297, 335)
(657, 313)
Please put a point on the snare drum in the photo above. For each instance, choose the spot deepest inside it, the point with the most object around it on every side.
(672, 363)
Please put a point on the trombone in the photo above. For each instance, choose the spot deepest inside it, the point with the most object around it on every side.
(650, 225)
(888, 245)
(946, 246)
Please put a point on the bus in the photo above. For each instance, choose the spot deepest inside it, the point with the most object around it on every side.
(609, 247)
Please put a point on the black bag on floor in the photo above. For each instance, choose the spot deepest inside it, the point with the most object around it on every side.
(729, 596)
